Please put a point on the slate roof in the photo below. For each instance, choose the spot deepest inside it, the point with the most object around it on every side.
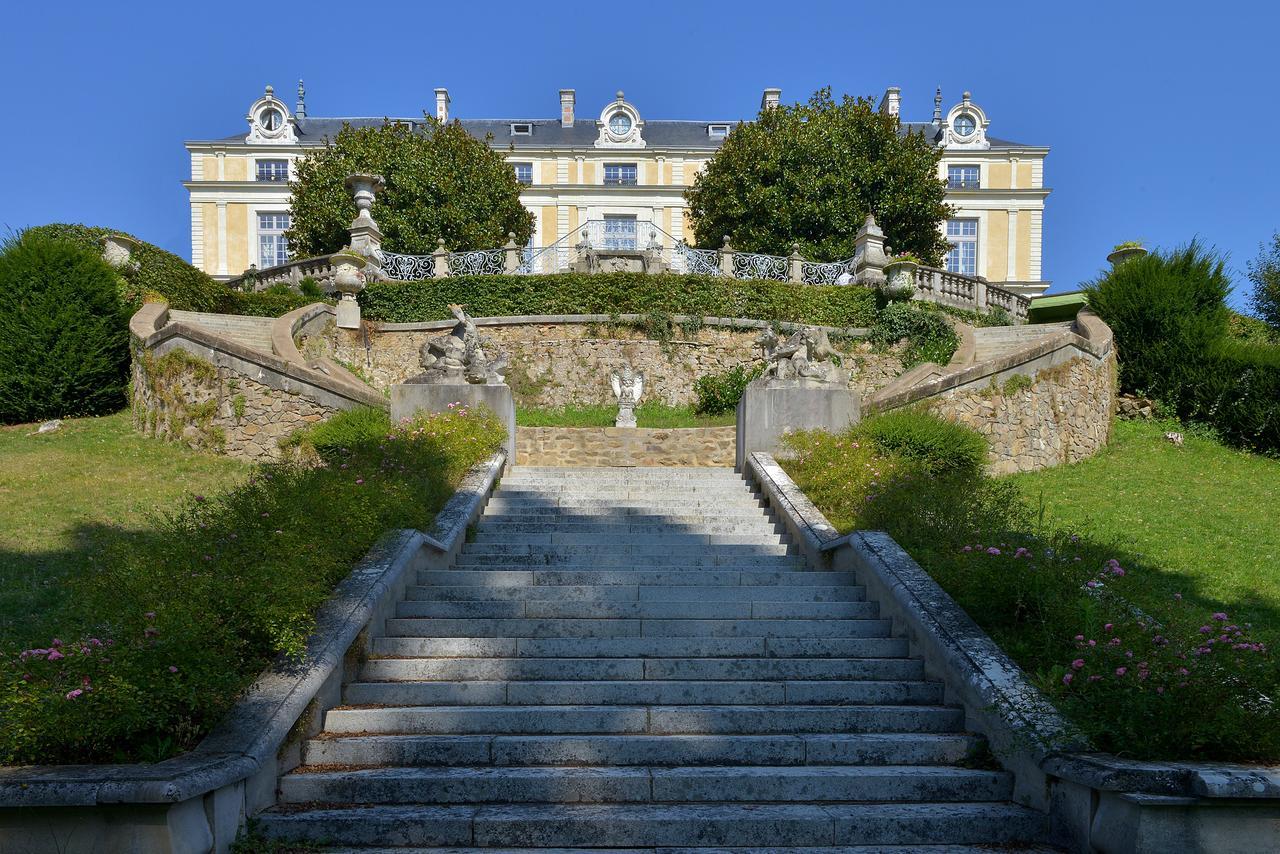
(547, 133)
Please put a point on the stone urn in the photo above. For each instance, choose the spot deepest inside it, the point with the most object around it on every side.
(117, 249)
(348, 279)
(900, 276)
(1124, 253)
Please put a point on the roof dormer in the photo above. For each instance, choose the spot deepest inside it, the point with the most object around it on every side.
(620, 125)
(966, 126)
(270, 122)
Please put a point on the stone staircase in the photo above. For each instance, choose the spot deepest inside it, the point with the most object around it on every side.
(252, 332)
(993, 342)
(638, 659)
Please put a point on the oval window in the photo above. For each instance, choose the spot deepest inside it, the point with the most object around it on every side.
(270, 119)
(619, 124)
(965, 125)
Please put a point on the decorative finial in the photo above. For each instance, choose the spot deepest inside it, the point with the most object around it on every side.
(271, 91)
(301, 109)
(966, 97)
(619, 94)
(937, 106)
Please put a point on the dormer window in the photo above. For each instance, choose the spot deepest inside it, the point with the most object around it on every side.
(270, 119)
(965, 125)
(717, 131)
(619, 124)
(521, 129)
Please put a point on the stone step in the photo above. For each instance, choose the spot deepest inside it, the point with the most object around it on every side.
(618, 488)
(534, 514)
(546, 608)
(634, 593)
(712, 669)
(642, 647)
(587, 557)
(694, 542)
(618, 628)
(651, 825)
(575, 576)
(625, 506)
(616, 784)
(621, 692)
(1008, 848)
(694, 720)
(609, 526)
(868, 749)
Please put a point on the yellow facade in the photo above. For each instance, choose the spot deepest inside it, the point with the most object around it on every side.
(998, 246)
(1024, 244)
(998, 176)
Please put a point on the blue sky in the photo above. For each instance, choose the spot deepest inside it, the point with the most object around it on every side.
(1162, 117)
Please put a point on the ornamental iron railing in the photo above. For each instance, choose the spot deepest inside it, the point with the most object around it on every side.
(753, 265)
(478, 262)
(406, 268)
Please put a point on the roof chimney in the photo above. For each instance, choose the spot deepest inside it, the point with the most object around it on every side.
(442, 105)
(567, 97)
(891, 103)
(770, 99)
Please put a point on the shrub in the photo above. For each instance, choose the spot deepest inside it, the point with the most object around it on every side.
(618, 293)
(1236, 390)
(264, 303)
(1139, 672)
(309, 287)
(174, 622)
(929, 334)
(940, 446)
(157, 273)
(1264, 273)
(64, 340)
(719, 393)
(359, 429)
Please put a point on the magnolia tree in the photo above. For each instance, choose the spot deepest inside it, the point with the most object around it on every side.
(441, 183)
(810, 174)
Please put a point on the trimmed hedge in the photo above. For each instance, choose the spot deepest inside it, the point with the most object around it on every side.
(158, 273)
(268, 303)
(619, 293)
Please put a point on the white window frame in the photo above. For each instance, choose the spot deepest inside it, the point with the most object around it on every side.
(621, 165)
(718, 130)
(528, 129)
(958, 242)
(515, 167)
(260, 233)
(635, 231)
(260, 161)
(977, 171)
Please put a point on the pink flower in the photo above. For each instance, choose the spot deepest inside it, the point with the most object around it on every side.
(1078, 663)
(54, 655)
(1120, 671)
(1095, 678)
(150, 632)
(1108, 627)
(1066, 679)
(1079, 637)
(72, 694)
(359, 481)
(1115, 641)
(1021, 552)
(1221, 617)
(993, 551)
(172, 669)
(967, 549)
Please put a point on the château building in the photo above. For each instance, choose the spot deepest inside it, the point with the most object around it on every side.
(616, 167)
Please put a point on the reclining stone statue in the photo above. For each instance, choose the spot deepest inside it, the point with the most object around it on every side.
(463, 355)
(805, 356)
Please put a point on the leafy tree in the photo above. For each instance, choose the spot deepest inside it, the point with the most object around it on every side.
(810, 174)
(441, 182)
(64, 331)
(1264, 272)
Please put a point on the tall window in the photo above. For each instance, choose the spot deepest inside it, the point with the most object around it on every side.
(963, 256)
(524, 172)
(620, 173)
(272, 249)
(619, 231)
(276, 171)
(962, 178)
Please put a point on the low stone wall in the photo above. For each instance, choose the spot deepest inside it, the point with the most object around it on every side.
(1048, 402)
(624, 446)
(566, 361)
(194, 386)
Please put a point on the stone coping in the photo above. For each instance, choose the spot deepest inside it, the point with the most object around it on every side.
(149, 325)
(1089, 335)
(554, 319)
(1003, 688)
(285, 326)
(249, 738)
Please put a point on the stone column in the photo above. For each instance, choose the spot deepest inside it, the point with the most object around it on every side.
(440, 260)
(510, 254)
(795, 264)
(366, 238)
(348, 279)
(869, 257)
(726, 258)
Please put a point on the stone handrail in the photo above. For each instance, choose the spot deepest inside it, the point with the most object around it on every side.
(288, 325)
(968, 292)
(199, 801)
(291, 273)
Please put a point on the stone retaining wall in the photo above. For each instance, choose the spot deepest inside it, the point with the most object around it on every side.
(624, 446)
(556, 364)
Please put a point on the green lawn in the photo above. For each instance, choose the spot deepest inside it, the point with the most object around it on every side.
(61, 492)
(1207, 515)
(603, 415)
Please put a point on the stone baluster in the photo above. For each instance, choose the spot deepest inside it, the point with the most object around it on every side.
(869, 252)
(366, 238)
(795, 264)
(440, 260)
(980, 293)
(726, 258)
(510, 254)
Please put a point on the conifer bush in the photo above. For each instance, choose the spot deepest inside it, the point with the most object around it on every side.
(64, 338)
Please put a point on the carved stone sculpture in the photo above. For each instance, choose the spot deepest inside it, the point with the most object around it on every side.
(806, 356)
(461, 356)
(627, 385)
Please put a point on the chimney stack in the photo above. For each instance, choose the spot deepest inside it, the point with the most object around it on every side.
(891, 103)
(442, 105)
(770, 99)
(567, 98)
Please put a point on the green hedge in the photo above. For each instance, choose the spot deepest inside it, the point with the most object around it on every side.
(619, 293)
(267, 303)
(158, 273)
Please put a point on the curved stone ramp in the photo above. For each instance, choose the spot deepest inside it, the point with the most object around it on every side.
(639, 658)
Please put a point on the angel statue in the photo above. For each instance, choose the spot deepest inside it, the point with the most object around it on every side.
(627, 387)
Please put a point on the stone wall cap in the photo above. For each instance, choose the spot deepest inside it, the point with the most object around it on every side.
(557, 319)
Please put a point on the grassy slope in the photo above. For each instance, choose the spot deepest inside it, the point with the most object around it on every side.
(61, 492)
(1207, 515)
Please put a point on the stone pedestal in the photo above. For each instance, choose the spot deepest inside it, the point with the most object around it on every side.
(348, 314)
(408, 398)
(770, 408)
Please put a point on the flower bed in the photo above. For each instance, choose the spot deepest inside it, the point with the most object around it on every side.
(173, 623)
(1143, 673)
